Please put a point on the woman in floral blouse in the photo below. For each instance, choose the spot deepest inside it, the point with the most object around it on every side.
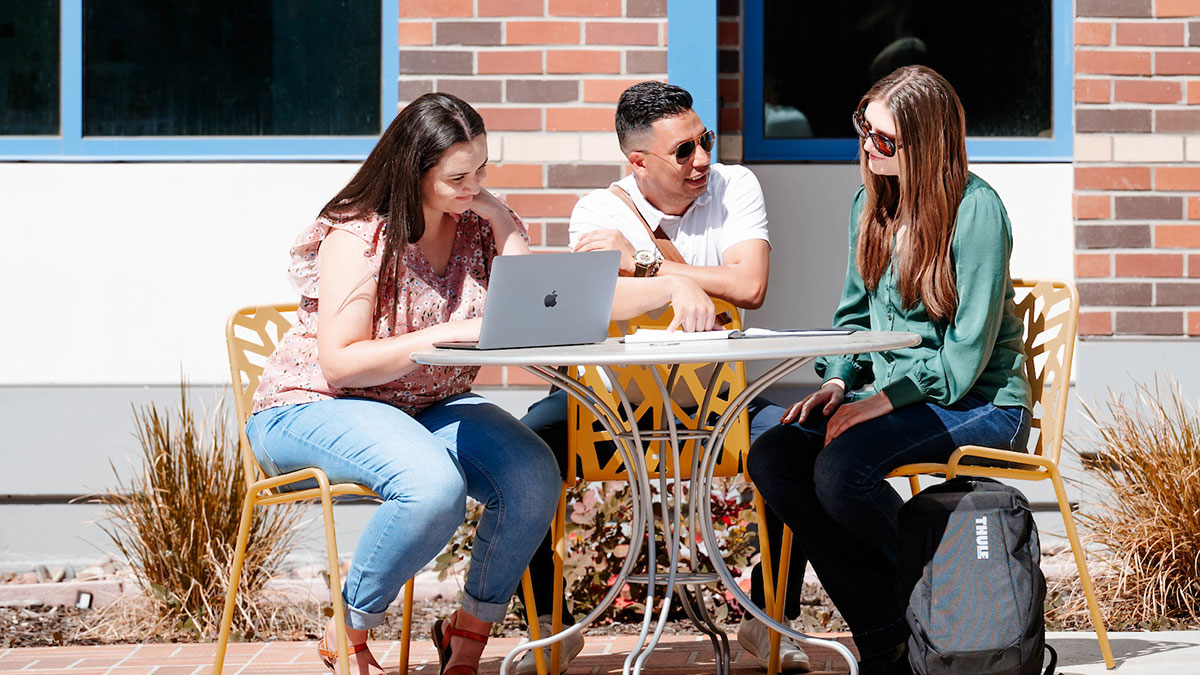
(398, 260)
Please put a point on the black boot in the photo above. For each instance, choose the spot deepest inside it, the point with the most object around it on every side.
(892, 662)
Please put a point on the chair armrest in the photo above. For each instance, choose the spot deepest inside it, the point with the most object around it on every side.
(981, 452)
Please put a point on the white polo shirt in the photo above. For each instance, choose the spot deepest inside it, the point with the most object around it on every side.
(730, 211)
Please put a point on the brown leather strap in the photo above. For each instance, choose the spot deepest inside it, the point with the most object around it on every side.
(665, 246)
(455, 631)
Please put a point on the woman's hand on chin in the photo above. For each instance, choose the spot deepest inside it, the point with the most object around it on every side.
(488, 207)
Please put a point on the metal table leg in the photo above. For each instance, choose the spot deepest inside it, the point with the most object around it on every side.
(707, 531)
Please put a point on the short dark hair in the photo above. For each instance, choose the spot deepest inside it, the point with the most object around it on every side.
(643, 104)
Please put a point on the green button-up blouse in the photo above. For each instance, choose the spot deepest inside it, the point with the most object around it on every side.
(979, 353)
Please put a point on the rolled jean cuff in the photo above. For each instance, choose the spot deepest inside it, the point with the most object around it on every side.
(360, 620)
(881, 640)
(484, 611)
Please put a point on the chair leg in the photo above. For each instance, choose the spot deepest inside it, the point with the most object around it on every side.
(914, 485)
(1085, 577)
(235, 578)
(335, 581)
(531, 616)
(785, 561)
(560, 553)
(406, 627)
(771, 593)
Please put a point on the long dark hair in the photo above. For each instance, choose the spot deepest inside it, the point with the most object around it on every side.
(931, 126)
(388, 184)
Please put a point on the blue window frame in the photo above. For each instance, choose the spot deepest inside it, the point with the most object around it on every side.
(72, 145)
(1057, 148)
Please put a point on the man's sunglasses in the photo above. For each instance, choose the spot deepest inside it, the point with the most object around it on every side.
(685, 149)
(884, 144)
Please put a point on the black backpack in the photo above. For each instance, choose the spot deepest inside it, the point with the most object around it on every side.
(968, 573)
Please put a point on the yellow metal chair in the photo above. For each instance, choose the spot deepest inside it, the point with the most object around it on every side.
(584, 462)
(1050, 310)
(251, 334)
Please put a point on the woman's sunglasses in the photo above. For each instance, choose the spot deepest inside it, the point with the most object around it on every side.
(884, 144)
(685, 149)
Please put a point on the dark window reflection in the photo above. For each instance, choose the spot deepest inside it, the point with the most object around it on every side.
(820, 57)
(29, 68)
(231, 67)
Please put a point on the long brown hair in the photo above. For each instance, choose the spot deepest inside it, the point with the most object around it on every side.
(930, 125)
(388, 184)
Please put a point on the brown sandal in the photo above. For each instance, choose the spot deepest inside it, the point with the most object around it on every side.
(329, 656)
(443, 631)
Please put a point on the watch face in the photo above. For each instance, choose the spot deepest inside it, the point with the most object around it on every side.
(643, 258)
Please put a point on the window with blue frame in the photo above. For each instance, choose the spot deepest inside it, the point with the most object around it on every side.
(171, 79)
(807, 64)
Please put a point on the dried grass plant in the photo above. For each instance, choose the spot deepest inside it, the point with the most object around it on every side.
(1145, 457)
(176, 521)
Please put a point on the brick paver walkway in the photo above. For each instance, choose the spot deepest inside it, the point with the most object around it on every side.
(603, 655)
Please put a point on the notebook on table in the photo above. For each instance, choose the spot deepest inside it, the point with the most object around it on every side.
(547, 299)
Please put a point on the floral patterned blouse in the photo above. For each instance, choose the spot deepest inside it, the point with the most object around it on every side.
(293, 374)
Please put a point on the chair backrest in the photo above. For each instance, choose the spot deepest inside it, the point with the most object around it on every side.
(583, 435)
(1050, 311)
(251, 334)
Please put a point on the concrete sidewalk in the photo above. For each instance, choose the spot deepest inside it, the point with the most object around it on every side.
(1161, 653)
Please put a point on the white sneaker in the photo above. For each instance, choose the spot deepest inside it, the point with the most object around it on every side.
(754, 637)
(568, 650)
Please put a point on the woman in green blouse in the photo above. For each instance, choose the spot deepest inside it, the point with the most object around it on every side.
(929, 252)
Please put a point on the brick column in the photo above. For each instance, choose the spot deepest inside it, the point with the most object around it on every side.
(1137, 166)
(545, 75)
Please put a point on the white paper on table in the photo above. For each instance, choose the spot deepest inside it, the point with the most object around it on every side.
(651, 335)
(790, 332)
(644, 335)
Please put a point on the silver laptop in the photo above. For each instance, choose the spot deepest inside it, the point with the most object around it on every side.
(547, 299)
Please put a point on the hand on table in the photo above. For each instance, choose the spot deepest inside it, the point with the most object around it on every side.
(463, 330)
(694, 310)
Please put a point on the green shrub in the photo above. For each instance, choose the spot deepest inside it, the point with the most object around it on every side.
(176, 521)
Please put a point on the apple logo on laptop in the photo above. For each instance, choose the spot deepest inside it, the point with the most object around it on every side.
(552, 299)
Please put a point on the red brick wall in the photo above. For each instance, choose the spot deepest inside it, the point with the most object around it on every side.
(729, 79)
(1137, 166)
(545, 75)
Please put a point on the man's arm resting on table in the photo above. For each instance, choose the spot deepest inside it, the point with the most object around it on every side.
(693, 309)
(740, 279)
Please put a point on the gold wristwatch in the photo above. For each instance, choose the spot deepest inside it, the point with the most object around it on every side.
(645, 264)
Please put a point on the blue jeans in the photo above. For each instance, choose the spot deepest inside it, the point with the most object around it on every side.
(423, 467)
(842, 512)
(548, 419)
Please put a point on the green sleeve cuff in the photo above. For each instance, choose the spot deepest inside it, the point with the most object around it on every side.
(903, 392)
(843, 369)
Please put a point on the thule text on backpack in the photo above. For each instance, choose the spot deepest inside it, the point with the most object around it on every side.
(981, 538)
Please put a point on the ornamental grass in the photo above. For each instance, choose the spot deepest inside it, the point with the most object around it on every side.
(1145, 459)
(176, 521)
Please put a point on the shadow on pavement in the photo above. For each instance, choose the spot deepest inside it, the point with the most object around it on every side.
(1086, 650)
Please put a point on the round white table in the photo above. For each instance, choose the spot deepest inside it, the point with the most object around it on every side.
(792, 352)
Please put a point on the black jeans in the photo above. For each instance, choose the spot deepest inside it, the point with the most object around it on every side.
(548, 419)
(844, 514)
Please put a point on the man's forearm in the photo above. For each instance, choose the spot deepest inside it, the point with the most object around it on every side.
(738, 284)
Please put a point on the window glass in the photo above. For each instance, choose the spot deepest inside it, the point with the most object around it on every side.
(819, 58)
(29, 68)
(231, 68)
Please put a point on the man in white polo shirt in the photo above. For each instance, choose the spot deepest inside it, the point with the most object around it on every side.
(676, 214)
